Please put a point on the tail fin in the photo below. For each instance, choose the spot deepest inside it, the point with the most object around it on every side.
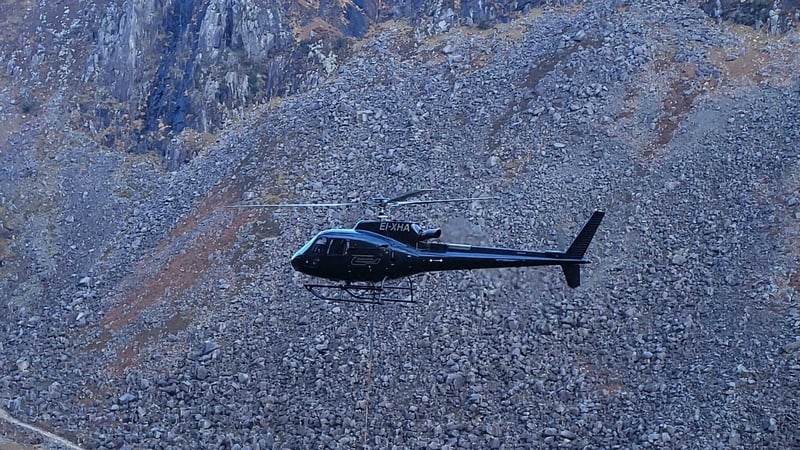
(584, 238)
(572, 271)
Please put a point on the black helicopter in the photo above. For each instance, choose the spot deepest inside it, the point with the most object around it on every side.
(363, 260)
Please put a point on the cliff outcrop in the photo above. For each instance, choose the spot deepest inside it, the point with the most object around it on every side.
(140, 72)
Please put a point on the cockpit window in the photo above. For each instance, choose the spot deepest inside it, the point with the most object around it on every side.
(320, 244)
(337, 247)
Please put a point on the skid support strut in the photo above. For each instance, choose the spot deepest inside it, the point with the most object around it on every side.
(372, 293)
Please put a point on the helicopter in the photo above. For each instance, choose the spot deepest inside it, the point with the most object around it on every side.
(373, 262)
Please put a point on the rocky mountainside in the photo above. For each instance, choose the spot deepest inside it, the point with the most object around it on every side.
(140, 312)
(164, 76)
(139, 73)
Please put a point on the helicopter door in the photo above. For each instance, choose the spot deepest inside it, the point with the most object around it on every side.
(337, 255)
(338, 247)
(387, 254)
(365, 260)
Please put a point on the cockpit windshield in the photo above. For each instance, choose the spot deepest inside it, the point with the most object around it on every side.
(320, 245)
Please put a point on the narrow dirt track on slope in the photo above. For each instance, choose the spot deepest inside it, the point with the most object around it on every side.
(6, 417)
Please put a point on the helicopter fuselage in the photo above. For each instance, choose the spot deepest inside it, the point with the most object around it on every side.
(360, 260)
(376, 251)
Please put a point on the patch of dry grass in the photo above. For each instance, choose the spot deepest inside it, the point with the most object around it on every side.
(316, 29)
(760, 58)
(9, 445)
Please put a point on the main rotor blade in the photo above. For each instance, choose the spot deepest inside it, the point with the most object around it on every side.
(296, 205)
(445, 200)
(400, 198)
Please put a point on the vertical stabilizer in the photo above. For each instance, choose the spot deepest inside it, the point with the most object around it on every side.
(572, 271)
(584, 238)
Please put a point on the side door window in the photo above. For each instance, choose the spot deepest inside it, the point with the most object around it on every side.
(338, 247)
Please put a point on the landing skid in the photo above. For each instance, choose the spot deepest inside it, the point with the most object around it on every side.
(371, 293)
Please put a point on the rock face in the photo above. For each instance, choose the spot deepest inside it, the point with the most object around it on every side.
(152, 69)
(774, 17)
(184, 63)
(191, 63)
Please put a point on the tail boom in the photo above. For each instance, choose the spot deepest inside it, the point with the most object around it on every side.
(433, 257)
